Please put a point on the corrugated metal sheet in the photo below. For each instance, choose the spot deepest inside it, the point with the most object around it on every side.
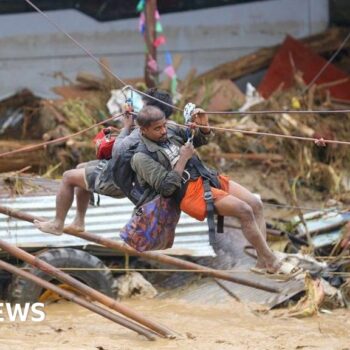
(325, 226)
(294, 53)
(107, 219)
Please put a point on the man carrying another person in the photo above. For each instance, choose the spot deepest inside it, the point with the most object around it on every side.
(165, 177)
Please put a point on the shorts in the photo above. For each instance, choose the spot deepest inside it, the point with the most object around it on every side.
(98, 181)
(193, 202)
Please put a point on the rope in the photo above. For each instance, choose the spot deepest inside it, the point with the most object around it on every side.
(302, 138)
(106, 68)
(75, 41)
(35, 147)
(335, 111)
(168, 270)
(60, 139)
(93, 57)
(327, 64)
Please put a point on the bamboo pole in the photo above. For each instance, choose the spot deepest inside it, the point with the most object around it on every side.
(165, 259)
(78, 300)
(84, 289)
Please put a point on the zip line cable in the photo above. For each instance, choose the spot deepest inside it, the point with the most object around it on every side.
(335, 111)
(326, 64)
(94, 57)
(301, 138)
(60, 139)
(291, 137)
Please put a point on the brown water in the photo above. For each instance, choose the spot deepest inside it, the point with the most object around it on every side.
(224, 326)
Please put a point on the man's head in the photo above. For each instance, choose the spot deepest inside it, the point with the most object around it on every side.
(160, 95)
(152, 123)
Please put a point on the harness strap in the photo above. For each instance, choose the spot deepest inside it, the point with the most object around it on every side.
(220, 224)
(209, 180)
(92, 199)
(208, 197)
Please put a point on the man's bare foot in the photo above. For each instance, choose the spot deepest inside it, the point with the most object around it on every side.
(74, 227)
(260, 263)
(250, 251)
(49, 227)
(272, 266)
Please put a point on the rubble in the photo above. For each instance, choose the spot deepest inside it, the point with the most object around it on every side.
(289, 171)
(134, 285)
(322, 43)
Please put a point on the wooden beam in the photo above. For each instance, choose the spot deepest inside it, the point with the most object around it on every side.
(162, 258)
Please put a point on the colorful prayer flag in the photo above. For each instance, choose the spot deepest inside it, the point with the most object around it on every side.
(142, 23)
(159, 41)
(152, 63)
(173, 85)
(170, 72)
(159, 28)
(168, 59)
(140, 6)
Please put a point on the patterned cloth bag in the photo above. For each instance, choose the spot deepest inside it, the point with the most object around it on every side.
(152, 227)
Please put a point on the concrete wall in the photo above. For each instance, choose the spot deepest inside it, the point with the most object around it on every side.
(32, 50)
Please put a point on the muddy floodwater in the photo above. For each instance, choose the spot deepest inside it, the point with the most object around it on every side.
(229, 325)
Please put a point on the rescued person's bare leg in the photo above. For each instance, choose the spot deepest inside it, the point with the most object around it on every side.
(231, 206)
(255, 203)
(64, 199)
(82, 198)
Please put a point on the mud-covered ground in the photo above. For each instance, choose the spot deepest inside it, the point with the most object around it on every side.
(228, 325)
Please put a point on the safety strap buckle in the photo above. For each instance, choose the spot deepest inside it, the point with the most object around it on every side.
(190, 139)
(187, 178)
(188, 110)
(208, 196)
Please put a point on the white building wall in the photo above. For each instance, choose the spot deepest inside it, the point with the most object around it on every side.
(32, 50)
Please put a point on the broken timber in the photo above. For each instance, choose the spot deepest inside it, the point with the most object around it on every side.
(162, 258)
(78, 300)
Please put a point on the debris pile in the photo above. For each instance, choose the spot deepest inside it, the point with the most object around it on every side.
(289, 170)
(27, 120)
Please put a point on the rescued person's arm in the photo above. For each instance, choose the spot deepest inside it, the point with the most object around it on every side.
(203, 133)
(128, 127)
(200, 118)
